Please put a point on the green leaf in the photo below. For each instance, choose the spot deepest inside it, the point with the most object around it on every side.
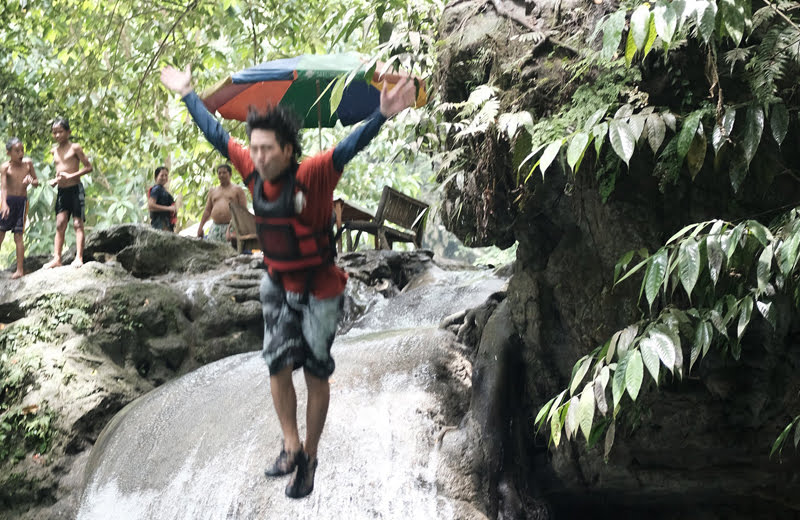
(542, 415)
(735, 240)
(669, 120)
(778, 444)
(697, 152)
(687, 133)
(722, 130)
(586, 411)
(715, 257)
(623, 263)
(764, 269)
(630, 49)
(579, 373)
(577, 148)
(754, 127)
(665, 21)
(636, 124)
(624, 112)
(650, 357)
(765, 308)
(706, 19)
(656, 131)
(651, 37)
(787, 254)
(745, 311)
(612, 33)
(702, 340)
(738, 168)
(337, 92)
(549, 154)
(618, 383)
(796, 434)
(654, 276)
(758, 230)
(689, 265)
(640, 23)
(609, 440)
(599, 132)
(600, 384)
(571, 423)
(732, 13)
(634, 374)
(665, 347)
(779, 122)
(622, 139)
(555, 428)
(626, 338)
(554, 409)
(594, 119)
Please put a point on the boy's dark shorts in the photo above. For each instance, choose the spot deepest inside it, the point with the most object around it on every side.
(72, 200)
(298, 334)
(15, 221)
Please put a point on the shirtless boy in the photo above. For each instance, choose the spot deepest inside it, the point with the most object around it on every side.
(71, 199)
(217, 205)
(16, 175)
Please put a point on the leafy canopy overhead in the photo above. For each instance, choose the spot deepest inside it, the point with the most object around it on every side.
(97, 64)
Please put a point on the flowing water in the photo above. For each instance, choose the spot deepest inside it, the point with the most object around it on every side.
(196, 447)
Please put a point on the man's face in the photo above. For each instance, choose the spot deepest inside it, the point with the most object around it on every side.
(17, 152)
(269, 158)
(163, 177)
(60, 135)
(224, 176)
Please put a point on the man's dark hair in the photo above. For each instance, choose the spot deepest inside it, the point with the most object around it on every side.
(158, 170)
(62, 122)
(280, 120)
(11, 143)
(224, 166)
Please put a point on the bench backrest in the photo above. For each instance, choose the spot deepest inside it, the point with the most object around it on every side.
(243, 220)
(400, 209)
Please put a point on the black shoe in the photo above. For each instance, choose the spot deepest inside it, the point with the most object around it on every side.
(302, 482)
(284, 464)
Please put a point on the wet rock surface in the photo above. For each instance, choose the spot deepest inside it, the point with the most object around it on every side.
(97, 337)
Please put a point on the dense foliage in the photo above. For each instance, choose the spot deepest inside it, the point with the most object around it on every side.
(97, 64)
(729, 272)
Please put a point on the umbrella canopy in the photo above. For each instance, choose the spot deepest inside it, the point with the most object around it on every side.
(297, 83)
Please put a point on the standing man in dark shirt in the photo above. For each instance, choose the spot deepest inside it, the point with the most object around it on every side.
(160, 202)
(302, 292)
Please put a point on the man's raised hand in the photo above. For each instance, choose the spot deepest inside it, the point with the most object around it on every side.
(402, 96)
(176, 80)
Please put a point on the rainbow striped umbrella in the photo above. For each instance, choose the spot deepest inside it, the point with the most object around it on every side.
(298, 83)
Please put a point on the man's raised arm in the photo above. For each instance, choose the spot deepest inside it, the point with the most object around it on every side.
(180, 81)
(392, 101)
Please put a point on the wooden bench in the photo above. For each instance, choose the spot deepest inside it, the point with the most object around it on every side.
(244, 224)
(407, 213)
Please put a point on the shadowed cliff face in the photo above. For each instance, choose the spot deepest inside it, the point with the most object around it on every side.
(697, 446)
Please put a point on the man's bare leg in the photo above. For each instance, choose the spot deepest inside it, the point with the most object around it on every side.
(284, 399)
(20, 256)
(61, 229)
(319, 395)
(80, 241)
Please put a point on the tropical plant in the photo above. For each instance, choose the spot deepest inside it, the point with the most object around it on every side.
(97, 63)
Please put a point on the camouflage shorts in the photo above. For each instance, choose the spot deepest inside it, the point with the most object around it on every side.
(298, 334)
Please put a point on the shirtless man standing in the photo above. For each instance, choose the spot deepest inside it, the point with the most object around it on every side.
(217, 205)
(16, 175)
(71, 199)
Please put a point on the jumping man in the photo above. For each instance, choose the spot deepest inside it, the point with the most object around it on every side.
(301, 294)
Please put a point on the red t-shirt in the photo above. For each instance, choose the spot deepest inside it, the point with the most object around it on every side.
(319, 177)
